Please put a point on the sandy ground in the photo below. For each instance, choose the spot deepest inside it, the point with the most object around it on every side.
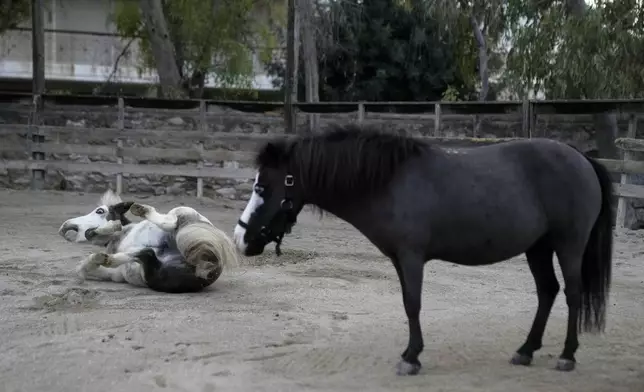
(326, 316)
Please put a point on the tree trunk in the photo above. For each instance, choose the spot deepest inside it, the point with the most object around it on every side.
(310, 57)
(483, 67)
(483, 57)
(162, 49)
(296, 48)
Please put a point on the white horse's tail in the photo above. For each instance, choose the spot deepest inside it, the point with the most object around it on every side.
(207, 248)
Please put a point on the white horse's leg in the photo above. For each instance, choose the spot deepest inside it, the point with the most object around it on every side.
(133, 274)
(116, 259)
(166, 222)
(92, 267)
(109, 228)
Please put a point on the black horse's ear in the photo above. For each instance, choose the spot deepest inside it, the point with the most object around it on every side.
(272, 154)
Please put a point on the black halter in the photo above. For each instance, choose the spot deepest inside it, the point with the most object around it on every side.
(286, 208)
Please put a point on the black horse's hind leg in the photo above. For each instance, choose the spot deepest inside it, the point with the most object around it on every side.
(570, 262)
(410, 274)
(541, 265)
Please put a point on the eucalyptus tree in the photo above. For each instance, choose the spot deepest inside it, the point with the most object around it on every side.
(187, 41)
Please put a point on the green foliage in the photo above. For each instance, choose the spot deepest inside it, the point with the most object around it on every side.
(451, 94)
(209, 36)
(379, 51)
(13, 13)
(599, 55)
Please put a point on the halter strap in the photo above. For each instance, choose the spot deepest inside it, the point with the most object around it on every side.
(286, 207)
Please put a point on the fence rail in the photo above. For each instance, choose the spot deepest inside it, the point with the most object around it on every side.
(39, 140)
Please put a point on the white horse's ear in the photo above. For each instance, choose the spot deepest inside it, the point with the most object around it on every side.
(110, 198)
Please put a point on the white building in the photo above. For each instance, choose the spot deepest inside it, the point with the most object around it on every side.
(88, 57)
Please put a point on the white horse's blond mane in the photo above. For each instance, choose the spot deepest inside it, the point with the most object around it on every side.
(109, 198)
(201, 241)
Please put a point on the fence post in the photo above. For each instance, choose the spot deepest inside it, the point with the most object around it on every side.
(119, 144)
(437, 119)
(314, 122)
(360, 112)
(532, 124)
(37, 137)
(525, 118)
(627, 155)
(200, 166)
(203, 128)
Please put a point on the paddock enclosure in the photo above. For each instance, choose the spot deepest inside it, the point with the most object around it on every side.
(326, 316)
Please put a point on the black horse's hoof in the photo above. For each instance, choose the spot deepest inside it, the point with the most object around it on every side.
(521, 359)
(404, 368)
(565, 365)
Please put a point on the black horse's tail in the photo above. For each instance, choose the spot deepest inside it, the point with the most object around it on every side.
(597, 261)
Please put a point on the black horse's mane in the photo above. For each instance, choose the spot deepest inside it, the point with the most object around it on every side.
(345, 161)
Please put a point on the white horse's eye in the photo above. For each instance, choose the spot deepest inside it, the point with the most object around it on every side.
(100, 211)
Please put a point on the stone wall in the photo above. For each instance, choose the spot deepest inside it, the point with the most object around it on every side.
(577, 130)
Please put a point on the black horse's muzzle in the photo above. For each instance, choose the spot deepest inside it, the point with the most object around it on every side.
(254, 248)
(280, 225)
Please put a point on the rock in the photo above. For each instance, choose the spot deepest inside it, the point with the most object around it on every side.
(175, 189)
(224, 182)
(244, 187)
(178, 121)
(80, 123)
(229, 193)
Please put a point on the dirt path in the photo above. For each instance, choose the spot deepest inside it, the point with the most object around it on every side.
(326, 316)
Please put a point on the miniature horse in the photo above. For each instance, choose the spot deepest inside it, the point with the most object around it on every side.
(179, 252)
(416, 202)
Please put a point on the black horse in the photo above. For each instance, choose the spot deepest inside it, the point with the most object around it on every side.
(416, 202)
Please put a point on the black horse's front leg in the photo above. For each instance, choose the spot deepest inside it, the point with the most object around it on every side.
(410, 274)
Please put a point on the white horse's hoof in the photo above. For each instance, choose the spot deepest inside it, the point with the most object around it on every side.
(139, 210)
(81, 272)
(98, 259)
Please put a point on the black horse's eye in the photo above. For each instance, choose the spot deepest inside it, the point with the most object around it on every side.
(100, 211)
(259, 189)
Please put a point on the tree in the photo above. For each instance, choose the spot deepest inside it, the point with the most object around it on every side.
(310, 56)
(568, 50)
(13, 12)
(186, 41)
(379, 51)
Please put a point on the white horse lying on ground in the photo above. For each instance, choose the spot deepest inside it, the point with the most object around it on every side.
(177, 252)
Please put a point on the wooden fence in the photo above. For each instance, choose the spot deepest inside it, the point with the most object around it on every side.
(41, 140)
